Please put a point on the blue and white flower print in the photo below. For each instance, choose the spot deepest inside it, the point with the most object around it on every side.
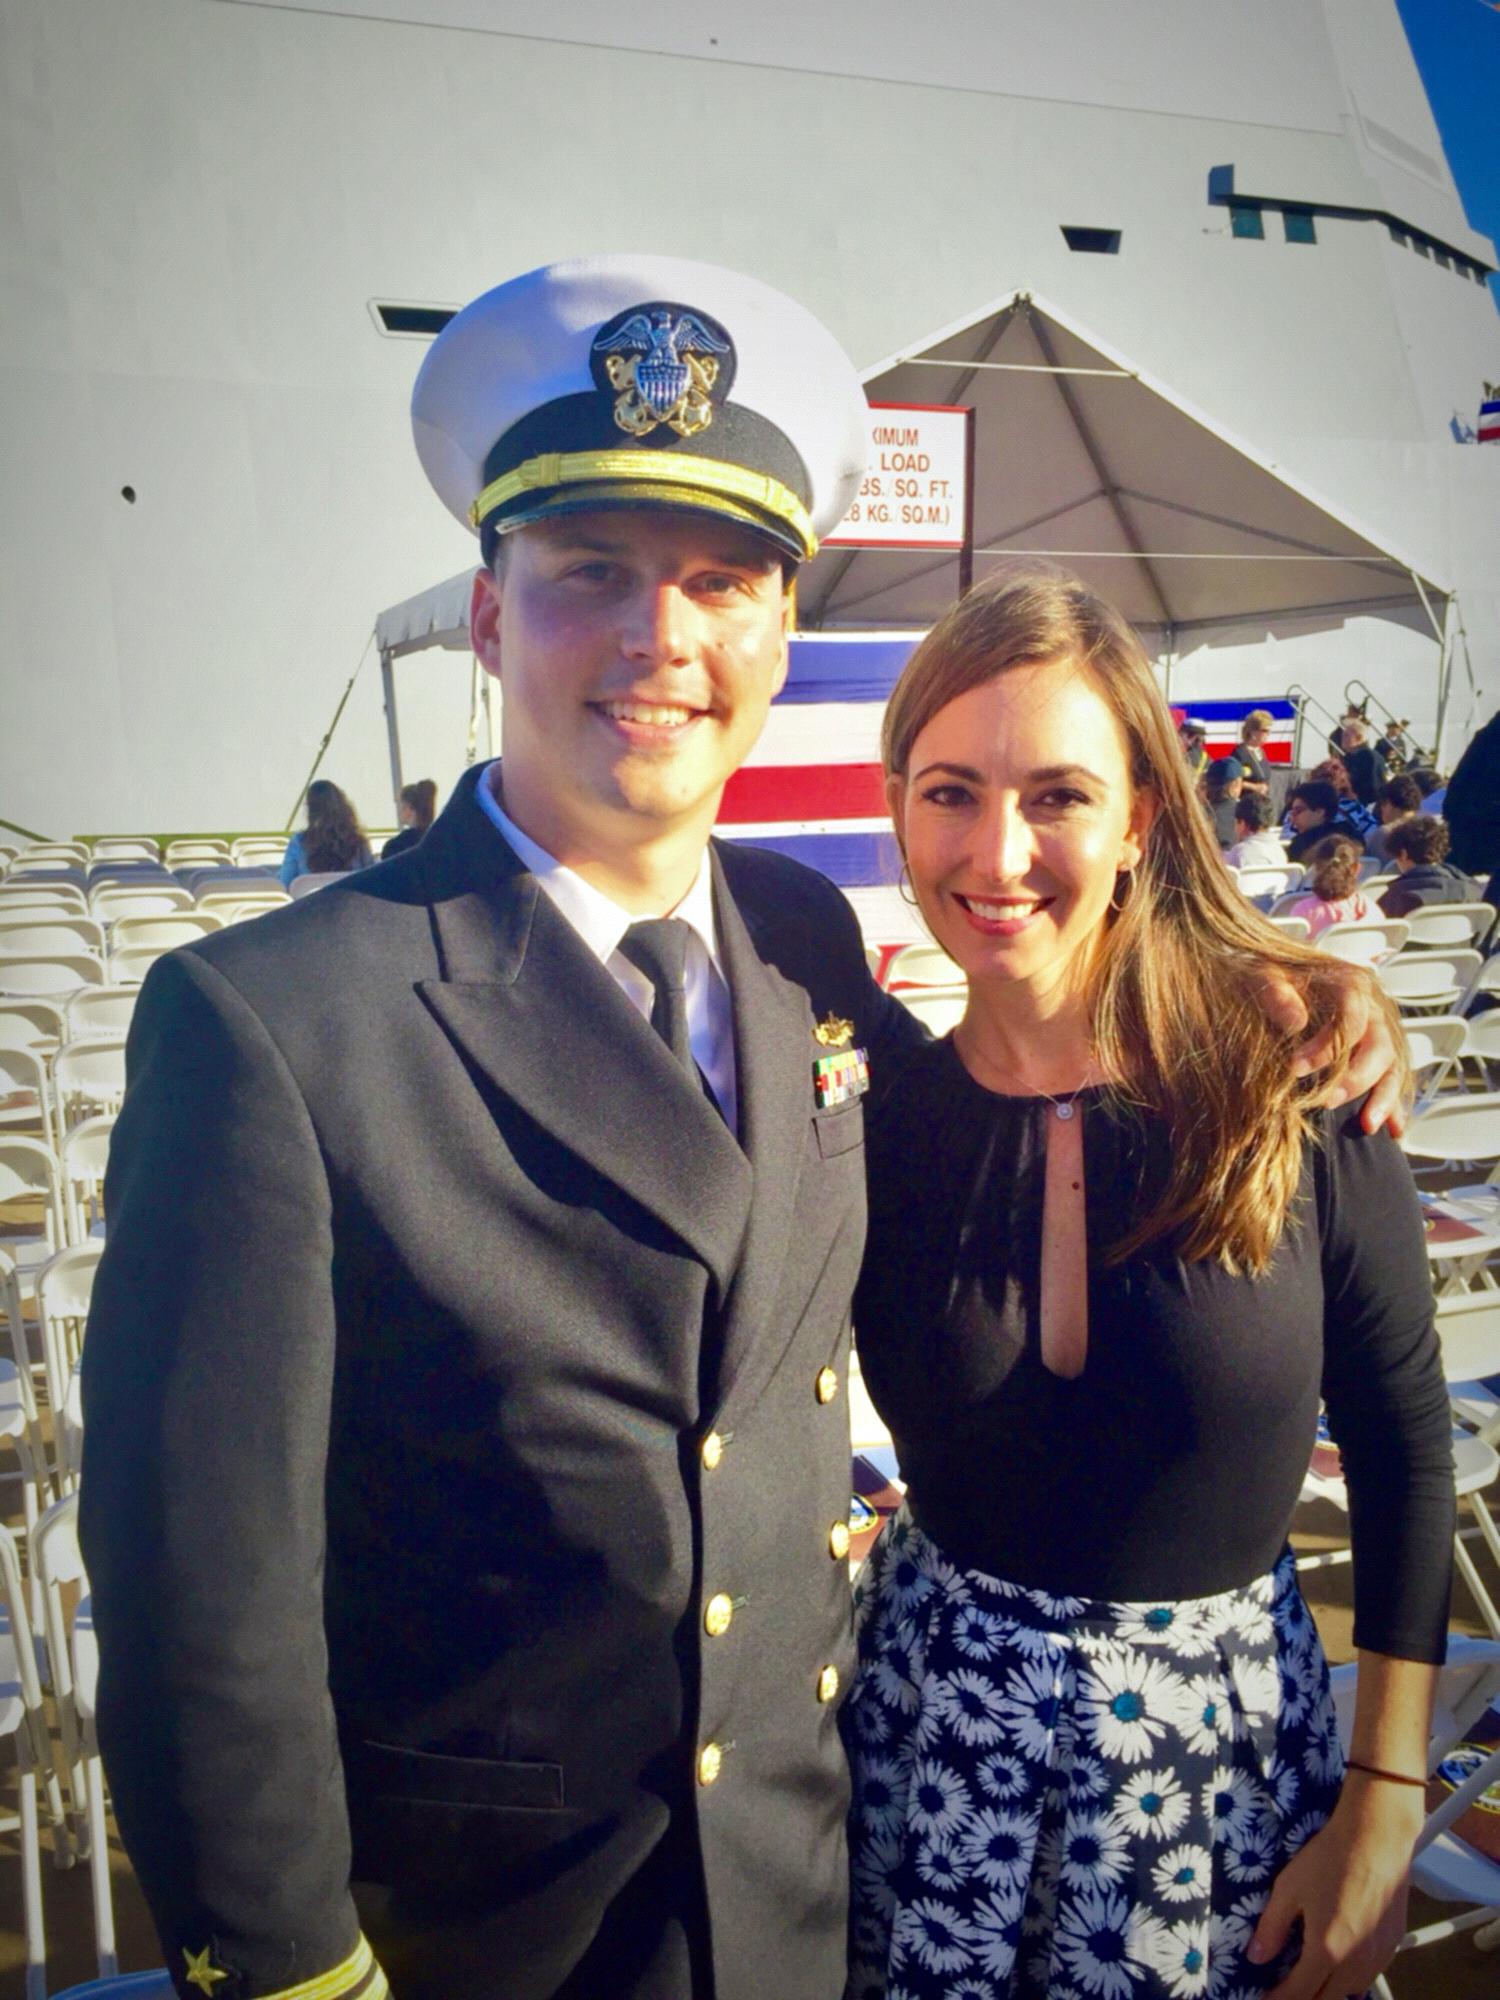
(1059, 1799)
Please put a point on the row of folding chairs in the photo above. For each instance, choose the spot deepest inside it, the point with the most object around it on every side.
(248, 850)
(154, 893)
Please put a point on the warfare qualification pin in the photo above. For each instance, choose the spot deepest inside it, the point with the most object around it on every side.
(832, 1032)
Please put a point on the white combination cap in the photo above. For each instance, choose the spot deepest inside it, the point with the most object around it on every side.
(646, 382)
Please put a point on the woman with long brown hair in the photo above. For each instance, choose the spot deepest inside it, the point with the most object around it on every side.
(332, 843)
(1117, 1253)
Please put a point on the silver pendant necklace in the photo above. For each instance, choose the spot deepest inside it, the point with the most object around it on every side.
(1063, 1102)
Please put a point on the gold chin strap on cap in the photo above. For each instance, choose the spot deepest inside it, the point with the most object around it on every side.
(668, 472)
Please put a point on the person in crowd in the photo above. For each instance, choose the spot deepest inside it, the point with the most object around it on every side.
(1093, 1743)
(417, 810)
(1257, 844)
(1434, 792)
(1333, 893)
(1418, 849)
(1394, 745)
(332, 843)
(1399, 798)
(1338, 740)
(1223, 783)
(466, 1479)
(1471, 806)
(1311, 811)
(1194, 739)
(1350, 812)
(1366, 769)
(1249, 753)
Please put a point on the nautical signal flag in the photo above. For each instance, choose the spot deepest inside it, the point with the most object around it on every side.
(1489, 422)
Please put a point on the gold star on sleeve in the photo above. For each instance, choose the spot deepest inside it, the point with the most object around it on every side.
(199, 1972)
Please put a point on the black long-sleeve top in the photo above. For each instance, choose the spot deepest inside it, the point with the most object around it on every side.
(1171, 1466)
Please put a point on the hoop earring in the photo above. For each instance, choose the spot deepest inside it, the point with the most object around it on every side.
(1125, 876)
(904, 889)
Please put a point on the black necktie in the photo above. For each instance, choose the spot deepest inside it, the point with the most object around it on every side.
(658, 947)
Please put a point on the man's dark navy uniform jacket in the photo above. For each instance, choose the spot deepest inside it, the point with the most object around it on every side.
(452, 1371)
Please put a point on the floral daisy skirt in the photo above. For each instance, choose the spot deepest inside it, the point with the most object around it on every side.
(1058, 1799)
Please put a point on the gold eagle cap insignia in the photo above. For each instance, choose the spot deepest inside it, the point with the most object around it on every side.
(833, 1033)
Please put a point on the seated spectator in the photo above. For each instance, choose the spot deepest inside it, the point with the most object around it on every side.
(1334, 895)
(418, 808)
(332, 842)
(1419, 849)
(1366, 770)
(1221, 788)
(1395, 744)
(1399, 799)
(1311, 809)
(1258, 845)
(1247, 752)
(1350, 814)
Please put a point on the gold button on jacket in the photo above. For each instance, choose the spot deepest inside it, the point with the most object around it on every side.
(711, 1451)
(828, 1683)
(718, 1614)
(827, 1385)
(710, 1762)
(838, 1540)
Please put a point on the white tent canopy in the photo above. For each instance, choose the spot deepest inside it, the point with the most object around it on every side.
(1080, 456)
(435, 617)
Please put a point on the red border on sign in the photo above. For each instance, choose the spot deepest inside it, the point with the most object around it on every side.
(853, 542)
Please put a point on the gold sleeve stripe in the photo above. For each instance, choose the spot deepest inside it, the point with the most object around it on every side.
(662, 469)
(357, 1978)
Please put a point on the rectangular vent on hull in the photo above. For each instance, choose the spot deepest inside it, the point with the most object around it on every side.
(417, 322)
(1101, 242)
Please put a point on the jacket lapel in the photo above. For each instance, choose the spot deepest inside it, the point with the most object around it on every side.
(537, 1014)
(773, 1060)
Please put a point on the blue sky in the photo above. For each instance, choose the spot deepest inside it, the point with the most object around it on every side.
(1457, 47)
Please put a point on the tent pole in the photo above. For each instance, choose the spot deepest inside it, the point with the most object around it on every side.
(393, 737)
(1445, 671)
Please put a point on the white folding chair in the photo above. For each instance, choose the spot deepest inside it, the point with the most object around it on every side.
(1445, 1867)
(1292, 927)
(1482, 1041)
(1468, 1327)
(126, 847)
(939, 1008)
(64, 1291)
(57, 1562)
(197, 852)
(159, 934)
(922, 965)
(1364, 943)
(1269, 881)
(129, 968)
(99, 1013)
(1486, 980)
(88, 1077)
(31, 1023)
(20, 1416)
(1370, 865)
(41, 933)
(249, 900)
(307, 885)
(85, 1156)
(55, 974)
(54, 853)
(1461, 1128)
(46, 898)
(25, 1095)
(29, 1173)
(112, 901)
(1442, 925)
(22, 1718)
(1437, 981)
(252, 849)
(1434, 1043)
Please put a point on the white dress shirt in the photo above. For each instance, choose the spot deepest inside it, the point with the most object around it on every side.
(601, 924)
